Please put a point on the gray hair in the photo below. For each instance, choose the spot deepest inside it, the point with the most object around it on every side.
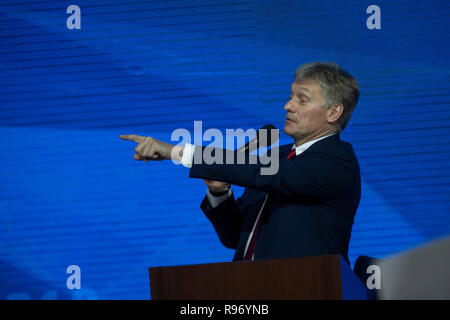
(338, 86)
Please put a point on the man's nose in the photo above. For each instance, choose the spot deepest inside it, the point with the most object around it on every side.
(288, 107)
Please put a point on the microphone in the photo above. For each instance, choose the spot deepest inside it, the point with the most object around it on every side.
(257, 141)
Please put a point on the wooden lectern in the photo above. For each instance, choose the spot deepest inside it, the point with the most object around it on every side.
(323, 277)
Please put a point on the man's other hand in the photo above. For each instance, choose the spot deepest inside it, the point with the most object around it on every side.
(217, 186)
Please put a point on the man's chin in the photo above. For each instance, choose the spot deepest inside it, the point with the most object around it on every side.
(291, 132)
(287, 130)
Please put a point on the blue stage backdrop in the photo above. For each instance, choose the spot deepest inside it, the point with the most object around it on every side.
(70, 191)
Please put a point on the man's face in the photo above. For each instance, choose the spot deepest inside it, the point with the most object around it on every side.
(305, 118)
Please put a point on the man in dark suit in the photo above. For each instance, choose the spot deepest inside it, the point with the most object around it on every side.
(307, 207)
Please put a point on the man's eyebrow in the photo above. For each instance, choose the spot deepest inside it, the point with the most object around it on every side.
(304, 88)
(301, 89)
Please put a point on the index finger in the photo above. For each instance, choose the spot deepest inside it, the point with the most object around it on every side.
(132, 137)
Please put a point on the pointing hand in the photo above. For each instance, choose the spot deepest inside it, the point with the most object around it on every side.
(149, 148)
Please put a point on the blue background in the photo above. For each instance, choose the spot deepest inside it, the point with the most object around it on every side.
(70, 191)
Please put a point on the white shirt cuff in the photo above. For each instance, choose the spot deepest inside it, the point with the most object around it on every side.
(188, 155)
(216, 201)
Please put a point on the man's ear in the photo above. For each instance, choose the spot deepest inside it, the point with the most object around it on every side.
(334, 113)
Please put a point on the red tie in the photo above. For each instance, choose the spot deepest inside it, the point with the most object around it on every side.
(251, 246)
(291, 154)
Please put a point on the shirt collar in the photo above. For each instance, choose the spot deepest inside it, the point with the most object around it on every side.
(301, 148)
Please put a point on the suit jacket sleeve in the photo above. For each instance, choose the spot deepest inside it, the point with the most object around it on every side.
(313, 175)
